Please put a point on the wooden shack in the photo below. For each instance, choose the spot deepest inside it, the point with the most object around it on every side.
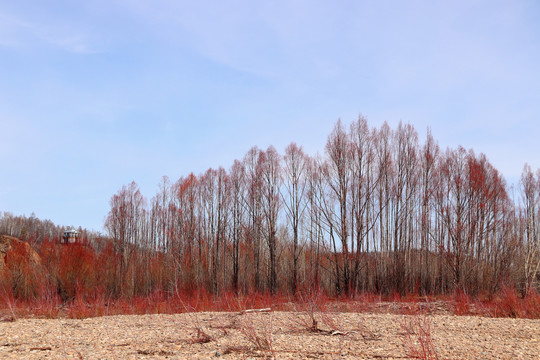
(71, 236)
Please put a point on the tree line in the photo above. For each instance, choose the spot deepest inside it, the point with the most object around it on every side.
(378, 212)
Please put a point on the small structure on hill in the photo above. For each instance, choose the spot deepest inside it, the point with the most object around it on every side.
(71, 236)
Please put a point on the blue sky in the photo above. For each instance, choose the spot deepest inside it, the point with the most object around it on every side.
(96, 94)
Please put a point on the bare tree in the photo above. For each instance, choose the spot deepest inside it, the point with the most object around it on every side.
(363, 211)
(315, 196)
(295, 170)
(337, 173)
(269, 163)
(428, 164)
(404, 191)
(385, 175)
(237, 179)
(186, 220)
(124, 224)
(530, 192)
(253, 202)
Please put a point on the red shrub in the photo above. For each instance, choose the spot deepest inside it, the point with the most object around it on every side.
(23, 271)
(461, 303)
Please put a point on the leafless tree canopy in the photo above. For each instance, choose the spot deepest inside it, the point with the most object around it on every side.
(380, 211)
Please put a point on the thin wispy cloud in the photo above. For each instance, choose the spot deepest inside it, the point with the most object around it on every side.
(12, 30)
(24, 34)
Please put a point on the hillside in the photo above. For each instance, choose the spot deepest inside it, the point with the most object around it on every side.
(12, 247)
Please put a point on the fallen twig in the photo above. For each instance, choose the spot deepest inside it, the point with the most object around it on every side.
(44, 348)
(255, 311)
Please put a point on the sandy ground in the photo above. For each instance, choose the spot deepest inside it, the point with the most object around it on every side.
(266, 335)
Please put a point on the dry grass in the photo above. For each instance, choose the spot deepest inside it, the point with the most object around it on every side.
(417, 339)
(260, 337)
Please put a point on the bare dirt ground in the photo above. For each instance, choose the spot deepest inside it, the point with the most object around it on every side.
(279, 335)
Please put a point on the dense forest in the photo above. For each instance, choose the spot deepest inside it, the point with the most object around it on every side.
(380, 212)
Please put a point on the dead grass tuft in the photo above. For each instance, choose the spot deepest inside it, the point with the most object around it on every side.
(260, 337)
(417, 338)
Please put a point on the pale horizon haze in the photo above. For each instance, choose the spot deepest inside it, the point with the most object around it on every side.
(97, 94)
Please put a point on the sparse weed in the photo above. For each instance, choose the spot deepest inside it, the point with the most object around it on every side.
(261, 338)
(417, 338)
(311, 313)
(200, 335)
(9, 300)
